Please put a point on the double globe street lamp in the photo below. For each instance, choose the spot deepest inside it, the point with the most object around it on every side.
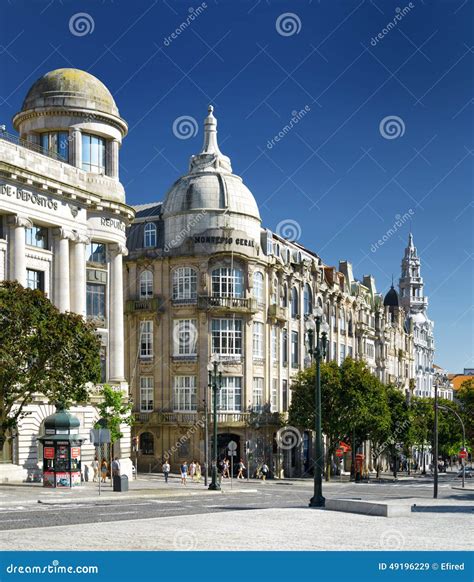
(317, 349)
(215, 370)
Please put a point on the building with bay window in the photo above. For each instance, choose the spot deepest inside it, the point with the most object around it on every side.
(203, 278)
(63, 219)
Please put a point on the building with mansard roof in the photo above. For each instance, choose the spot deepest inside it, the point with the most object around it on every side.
(63, 219)
(204, 278)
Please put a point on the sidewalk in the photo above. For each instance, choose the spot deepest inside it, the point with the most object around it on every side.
(148, 486)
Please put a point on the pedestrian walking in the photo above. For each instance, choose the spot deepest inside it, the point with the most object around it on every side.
(103, 470)
(116, 467)
(166, 470)
(184, 472)
(241, 469)
(264, 471)
(198, 472)
(225, 470)
(95, 468)
(192, 470)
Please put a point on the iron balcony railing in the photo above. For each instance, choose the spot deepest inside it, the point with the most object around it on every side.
(34, 147)
(227, 303)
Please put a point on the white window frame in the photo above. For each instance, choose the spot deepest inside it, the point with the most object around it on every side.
(185, 337)
(257, 340)
(149, 235)
(146, 339)
(274, 396)
(258, 287)
(147, 393)
(184, 282)
(257, 394)
(184, 394)
(227, 337)
(229, 397)
(146, 284)
(227, 282)
(274, 343)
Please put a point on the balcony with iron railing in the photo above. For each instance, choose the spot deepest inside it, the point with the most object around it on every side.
(15, 139)
(224, 419)
(144, 305)
(227, 304)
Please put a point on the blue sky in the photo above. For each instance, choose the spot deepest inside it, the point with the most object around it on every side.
(336, 172)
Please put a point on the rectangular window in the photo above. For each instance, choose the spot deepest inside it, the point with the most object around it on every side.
(284, 396)
(95, 300)
(274, 343)
(342, 353)
(349, 349)
(294, 349)
(146, 339)
(274, 396)
(35, 279)
(227, 282)
(334, 351)
(37, 236)
(185, 337)
(258, 340)
(284, 347)
(95, 253)
(146, 393)
(93, 154)
(229, 398)
(185, 394)
(257, 396)
(227, 337)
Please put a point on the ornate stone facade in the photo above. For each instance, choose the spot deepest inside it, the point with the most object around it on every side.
(63, 219)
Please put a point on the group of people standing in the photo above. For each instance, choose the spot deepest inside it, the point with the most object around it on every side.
(193, 470)
(104, 469)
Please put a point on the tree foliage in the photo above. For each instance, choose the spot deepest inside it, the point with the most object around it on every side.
(114, 411)
(42, 351)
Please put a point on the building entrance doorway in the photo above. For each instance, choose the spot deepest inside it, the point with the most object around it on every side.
(223, 441)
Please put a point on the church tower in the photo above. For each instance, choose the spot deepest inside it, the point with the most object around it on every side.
(415, 304)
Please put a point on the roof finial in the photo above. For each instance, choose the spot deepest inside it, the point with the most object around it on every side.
(392, 280)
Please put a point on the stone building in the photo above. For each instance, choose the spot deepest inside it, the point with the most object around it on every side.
(204, 278)
(63, 219)
(415, 303)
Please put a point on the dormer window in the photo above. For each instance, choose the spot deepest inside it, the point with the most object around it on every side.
(149, 236)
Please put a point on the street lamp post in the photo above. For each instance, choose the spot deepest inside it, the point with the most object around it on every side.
(317, 349)
(215, 382)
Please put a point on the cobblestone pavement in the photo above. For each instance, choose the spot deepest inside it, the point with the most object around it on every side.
(263, 529)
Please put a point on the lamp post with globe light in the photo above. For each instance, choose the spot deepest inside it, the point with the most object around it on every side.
(317, 349)
(215, 369)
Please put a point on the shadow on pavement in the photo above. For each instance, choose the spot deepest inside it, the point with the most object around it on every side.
(442, 509)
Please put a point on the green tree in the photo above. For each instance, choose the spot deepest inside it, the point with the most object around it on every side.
(114, 411)
(41, 351)
(465, 397)
(400, 424)
(421, 425)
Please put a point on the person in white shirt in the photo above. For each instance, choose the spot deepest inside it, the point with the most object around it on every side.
(166, 470)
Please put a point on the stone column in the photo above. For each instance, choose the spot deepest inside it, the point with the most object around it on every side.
(113, 159)
(75, 152)
(17, 268)
(61, 269)
(116, 339)
(78, 274)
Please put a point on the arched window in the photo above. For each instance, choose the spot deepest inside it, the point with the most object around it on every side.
(149, 235)
(227, 282)
(308, 299)
(258, 287)
(146, 284)
(184, 284)
(294, 303)
(147, 443)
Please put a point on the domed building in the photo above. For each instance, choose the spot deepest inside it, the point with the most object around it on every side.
(205, 283)
(63, 219)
